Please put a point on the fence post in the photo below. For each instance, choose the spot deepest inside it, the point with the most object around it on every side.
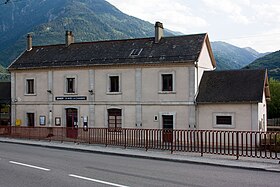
(146, 139)
(89, 129)
(125, 138)
(201, 143)
(106, 137)
(237, 145)
(172, 141)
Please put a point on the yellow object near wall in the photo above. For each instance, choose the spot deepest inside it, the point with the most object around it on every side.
(18, 122)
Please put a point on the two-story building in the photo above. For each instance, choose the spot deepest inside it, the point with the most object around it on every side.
(134, 83)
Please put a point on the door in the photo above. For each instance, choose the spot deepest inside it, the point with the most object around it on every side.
(167, 125)
(72, 123)
(30, 119)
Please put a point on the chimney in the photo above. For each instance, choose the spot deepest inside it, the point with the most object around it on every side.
(158, 31)
(69, 38)
(29, 42)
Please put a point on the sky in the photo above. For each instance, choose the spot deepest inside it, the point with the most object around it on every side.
(244, 23)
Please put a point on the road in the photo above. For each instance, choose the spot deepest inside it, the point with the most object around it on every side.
(23, 165)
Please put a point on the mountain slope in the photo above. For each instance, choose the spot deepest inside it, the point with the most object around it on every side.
(271, 62)
(231, 57)
(48, 20)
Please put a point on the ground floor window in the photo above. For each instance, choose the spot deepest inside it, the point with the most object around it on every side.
(4, 114)
(167, 126)
(30, 119)
(114, 119)
(223, 120)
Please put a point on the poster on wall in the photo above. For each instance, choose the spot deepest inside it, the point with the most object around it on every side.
(42, 120)
(57, 121)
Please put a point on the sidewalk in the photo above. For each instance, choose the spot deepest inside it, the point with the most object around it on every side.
(218, 160)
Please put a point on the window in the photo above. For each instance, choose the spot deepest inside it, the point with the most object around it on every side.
(30, 119)
(167, 121)
(223, 120)
(114, 84)
(30, 86)
(70, 85)
(136, 52)
(167, 82)
(114, 119)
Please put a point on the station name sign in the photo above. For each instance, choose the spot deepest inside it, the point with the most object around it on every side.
(72, 98)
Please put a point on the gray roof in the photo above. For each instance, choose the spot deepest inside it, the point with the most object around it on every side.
(179, 49)
(233, 86)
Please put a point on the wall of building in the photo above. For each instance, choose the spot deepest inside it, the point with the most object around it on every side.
(262, 114)
(245, 116)
(140, 96)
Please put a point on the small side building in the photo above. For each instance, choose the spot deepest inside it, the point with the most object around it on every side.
(233, 100)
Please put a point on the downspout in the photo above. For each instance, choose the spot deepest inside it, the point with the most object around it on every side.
(195, 95)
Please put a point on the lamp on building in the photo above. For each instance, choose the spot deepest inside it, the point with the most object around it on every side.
(49, 91)
(91, 92)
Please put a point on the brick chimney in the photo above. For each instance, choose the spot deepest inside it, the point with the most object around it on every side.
(29, 42)
(158, 31)
(69, 38)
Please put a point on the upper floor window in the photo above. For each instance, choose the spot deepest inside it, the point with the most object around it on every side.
(30, 86)
(114, 84)
(167, 82)
(71, 84)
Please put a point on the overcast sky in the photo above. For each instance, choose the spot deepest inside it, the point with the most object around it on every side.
(245, 23)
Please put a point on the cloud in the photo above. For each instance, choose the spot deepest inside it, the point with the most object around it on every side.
(177, 16)
(233, 9)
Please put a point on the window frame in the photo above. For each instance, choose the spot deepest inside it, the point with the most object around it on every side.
(161, 74)
(109, 92)
(66, 78)
(160, 118)
(223, 114)
(27, 86)
(116, 128)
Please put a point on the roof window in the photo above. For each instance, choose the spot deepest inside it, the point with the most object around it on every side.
(136, 52)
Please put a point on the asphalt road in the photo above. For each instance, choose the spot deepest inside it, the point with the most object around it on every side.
(22, 165)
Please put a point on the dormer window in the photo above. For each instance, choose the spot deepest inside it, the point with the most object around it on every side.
(136, 52)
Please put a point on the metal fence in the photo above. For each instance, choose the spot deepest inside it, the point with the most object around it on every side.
(232, 143)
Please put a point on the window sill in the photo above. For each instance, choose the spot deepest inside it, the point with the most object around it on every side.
(30, 94)
(224, 126)
(113, 93)
(167, 92)
(70, 93)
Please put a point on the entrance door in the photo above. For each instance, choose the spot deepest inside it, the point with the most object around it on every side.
(72, 122)
(30, 119)
(167, 125)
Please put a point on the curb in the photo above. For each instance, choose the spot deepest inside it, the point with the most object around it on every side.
(143, 156)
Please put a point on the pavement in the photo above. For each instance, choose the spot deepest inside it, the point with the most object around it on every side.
(272, 165)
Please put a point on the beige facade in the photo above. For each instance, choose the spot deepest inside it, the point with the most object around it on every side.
(245, 117)
(140, 96)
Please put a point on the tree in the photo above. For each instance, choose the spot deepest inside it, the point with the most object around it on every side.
(274, 104)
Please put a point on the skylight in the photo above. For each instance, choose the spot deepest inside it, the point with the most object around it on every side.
(136, 52)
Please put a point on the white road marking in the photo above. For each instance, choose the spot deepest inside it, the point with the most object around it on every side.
(27, 165)
(95, 180)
